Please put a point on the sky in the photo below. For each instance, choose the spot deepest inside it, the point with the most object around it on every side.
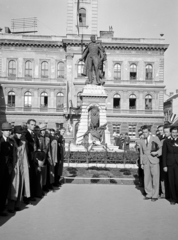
(129, 18)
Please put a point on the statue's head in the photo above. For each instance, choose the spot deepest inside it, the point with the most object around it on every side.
(93, 38)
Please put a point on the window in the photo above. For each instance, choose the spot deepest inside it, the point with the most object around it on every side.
(12, 68)
(149, 72)
(82, 17)
(60, 70)
(116, 128)
(11, 99)
(148, 102)
(116, 101)
(117, 71)
(79, 99)
(80, 68)
(44, 100)
(28, 99)
(60, 100)
(44, 69)
(132, 102)
(133, 72)
(132, 131)
(28, 69)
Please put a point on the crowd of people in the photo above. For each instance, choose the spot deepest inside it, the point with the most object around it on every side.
(158, 163)
(31, 163)
(122, 140)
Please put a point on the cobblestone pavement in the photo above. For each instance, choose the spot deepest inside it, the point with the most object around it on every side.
(93, 212)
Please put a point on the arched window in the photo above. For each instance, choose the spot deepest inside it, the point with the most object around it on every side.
(82, 17)
(132, 101)
(149, 72)
(60, 100)
(60, 70)
(79, 99)
(28, 99)
(80, 67)
(44, 100)
(11, 99)
(117, 71)
(28, 69)
(12, 68)
(148, 102)
(133, 72)
(44, 69)
(116, 101)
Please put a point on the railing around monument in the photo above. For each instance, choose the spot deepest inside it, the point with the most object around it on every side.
(104, 157)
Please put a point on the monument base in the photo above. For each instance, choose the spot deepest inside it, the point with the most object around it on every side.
(94, 96)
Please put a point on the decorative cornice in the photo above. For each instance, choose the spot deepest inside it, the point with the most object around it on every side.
(28, 43)
(118, 46)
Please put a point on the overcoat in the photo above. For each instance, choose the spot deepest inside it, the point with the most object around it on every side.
(20, 174)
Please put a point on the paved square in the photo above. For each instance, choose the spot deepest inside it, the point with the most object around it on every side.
(93, 212)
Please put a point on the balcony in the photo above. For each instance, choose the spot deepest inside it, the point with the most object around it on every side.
(32, 110)
(135, 111)
(61, 81)
(115, 83)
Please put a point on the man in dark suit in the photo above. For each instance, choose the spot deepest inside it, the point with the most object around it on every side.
(32, 146)
(6, 164)
(61, 141)
(161, 137)
(170, 164)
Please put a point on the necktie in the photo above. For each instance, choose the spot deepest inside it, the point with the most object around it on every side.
(146, 141)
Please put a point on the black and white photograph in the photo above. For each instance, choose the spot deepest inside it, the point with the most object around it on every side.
(88, 119)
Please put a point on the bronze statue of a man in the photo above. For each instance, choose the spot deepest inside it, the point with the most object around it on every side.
(93, 56)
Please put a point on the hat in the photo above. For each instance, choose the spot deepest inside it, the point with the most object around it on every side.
(18, 129)
(39, 155)
(42, 126)
(6, 126)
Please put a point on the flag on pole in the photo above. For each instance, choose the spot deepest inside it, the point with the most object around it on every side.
(78, 8)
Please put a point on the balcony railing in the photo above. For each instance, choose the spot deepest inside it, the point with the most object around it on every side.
(35, 80)
(135, 111)
(31, 109)
(81, 81)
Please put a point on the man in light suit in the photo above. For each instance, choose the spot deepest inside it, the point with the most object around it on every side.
(150, 164)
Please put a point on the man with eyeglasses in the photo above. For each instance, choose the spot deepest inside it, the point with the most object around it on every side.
(6, 164)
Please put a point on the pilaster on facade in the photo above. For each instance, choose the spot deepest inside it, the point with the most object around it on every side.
(161, 69)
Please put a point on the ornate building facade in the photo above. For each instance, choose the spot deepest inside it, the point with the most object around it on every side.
(40, 76)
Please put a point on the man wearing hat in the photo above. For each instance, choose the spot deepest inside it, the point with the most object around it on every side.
(6, 164)
(20, 181)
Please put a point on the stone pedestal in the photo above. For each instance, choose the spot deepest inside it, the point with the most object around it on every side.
(93, 95)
